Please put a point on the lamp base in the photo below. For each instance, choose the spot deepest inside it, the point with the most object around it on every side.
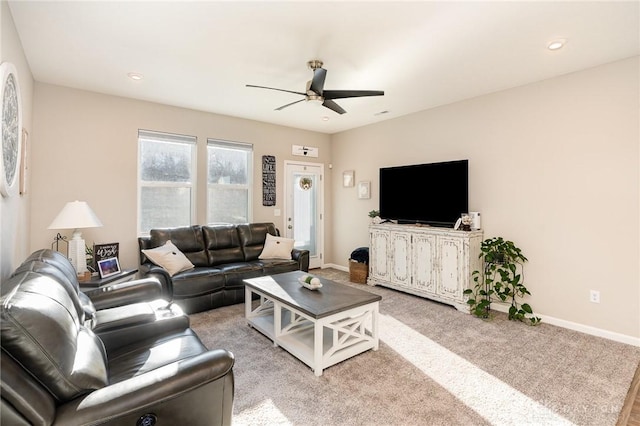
(77, 254)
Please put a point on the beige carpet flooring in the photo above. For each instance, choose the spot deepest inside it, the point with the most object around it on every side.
(435, 366)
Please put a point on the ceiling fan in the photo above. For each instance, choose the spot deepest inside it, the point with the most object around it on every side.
(315, 90)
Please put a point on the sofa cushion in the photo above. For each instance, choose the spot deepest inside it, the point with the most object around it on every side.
(58, 260)
(252, 238)
(188, 239)
(222, 244)
(197, 281)
(149, 354)
(277, 248)
(169, 257)
(57, 273)
(40, 329)
(278, 266)
(236, 273)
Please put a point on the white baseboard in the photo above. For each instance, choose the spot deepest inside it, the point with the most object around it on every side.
(334, 266)
(587, 329)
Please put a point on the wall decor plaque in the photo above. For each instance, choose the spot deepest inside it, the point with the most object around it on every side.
(268, 180)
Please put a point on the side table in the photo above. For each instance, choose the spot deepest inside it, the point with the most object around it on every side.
(95, 282)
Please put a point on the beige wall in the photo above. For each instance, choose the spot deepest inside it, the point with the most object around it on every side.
(553, 167)
(14, 211)
(85, 148)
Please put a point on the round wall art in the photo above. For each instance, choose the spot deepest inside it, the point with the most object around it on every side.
(11, 127)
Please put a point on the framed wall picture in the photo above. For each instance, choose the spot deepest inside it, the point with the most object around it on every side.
(108, 267)
(364, 190)
(10, 130)
(348, 177)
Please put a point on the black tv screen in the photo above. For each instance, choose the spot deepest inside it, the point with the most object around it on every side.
(433, 194)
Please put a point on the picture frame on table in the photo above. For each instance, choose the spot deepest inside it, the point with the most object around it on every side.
(105, 251)
(108, 267)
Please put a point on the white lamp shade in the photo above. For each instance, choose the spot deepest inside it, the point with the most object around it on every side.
(74, 215)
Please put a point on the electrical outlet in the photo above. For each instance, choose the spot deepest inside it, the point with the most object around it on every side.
(594, 296)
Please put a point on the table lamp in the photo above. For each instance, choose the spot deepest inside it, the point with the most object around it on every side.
(76, 215)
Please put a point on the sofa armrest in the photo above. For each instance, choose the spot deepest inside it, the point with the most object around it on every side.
(111, 296)
(151, 270)
(194, 391)
(302, 257)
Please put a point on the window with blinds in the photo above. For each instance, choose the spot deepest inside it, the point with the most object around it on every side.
(229, 179)
(166, 180)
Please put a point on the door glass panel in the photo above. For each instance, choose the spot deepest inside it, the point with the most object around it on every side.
(305, 211)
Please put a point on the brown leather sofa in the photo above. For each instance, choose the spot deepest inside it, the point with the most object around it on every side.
(68, 361)
(223, 257)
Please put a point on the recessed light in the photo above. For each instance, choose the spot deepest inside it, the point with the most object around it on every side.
(135, 76)
(556, 44)
(325, 118)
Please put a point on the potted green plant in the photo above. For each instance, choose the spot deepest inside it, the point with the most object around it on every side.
(375, 216)
(501, 278)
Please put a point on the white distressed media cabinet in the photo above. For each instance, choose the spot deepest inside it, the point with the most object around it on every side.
(431, 262)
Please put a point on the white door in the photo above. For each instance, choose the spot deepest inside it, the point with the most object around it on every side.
(304, 208)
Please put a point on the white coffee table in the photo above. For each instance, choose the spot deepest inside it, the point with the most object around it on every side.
(319, 327)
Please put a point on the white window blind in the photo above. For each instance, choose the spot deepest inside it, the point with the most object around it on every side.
(166, 180)
(229, 181)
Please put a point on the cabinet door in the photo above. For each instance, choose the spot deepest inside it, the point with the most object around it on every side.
(451, 271)
(379, 255)
(401, 258)
(424, 262)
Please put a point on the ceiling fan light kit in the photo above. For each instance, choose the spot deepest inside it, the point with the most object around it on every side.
(315, 90)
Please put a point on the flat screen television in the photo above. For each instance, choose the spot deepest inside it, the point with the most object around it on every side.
(433, 194)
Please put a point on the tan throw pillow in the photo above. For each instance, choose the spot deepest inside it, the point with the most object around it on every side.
(276, 248)
(169, 257)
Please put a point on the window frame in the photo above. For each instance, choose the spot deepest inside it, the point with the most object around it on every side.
(174, 138)
(241, 146)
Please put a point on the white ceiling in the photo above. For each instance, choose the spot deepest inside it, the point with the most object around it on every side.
(201, 54)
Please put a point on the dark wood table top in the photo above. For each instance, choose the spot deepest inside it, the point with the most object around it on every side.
(331, 298)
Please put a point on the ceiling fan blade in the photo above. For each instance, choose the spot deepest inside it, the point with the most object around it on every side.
(317, 84)
(279, 90)
(287, 105)
(339, 94)
(333, 106)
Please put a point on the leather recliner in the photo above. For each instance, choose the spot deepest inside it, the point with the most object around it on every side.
(55, 370)
(117, 313)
